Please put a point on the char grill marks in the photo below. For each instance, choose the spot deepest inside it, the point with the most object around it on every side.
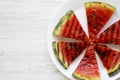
(70, 50)
(97, 16)
(88, 65)
(110, 58)
(73, 29)
(111, 35)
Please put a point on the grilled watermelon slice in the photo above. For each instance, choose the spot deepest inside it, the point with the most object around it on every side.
(88, 68)
(66, 52)
(98, 14)
(111, 35)
(110, 58)
(70, 27)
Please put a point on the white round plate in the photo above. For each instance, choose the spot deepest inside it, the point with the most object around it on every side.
(78, 7)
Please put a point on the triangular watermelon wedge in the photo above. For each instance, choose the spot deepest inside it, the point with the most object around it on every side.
(110, 58)
(70, 27)
(111, 35)
(66, 52)
(98, 14)
(88, 67)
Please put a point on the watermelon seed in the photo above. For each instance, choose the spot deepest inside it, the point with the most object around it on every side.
(113, 28)
(114, 55)
(95, 26)
(87, 56)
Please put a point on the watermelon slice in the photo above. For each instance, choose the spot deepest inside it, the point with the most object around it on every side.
(66, 52)
(98, 14)
(70, 27)
(88, 68)
(111, 35)
(110, 58)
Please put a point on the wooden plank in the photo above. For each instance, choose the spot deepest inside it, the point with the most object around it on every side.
(23, 40)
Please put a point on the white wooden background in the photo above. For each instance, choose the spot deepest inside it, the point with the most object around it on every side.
(23, 40)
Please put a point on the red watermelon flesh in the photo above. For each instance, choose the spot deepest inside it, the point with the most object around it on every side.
(111, 35)
(97, 16)
(66, 52)
(88, 67)
(110, 58)
(70, 27)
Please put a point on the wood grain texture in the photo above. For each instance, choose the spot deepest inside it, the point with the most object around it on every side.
(23, 43)
(23, 40)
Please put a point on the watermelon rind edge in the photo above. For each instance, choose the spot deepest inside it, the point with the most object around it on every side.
(79, 77)
(75, 75)
(117, 70)
(56, 52)
(88, 4)
(62, 22)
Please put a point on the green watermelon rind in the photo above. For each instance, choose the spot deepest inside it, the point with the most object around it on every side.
(95, 3)
(62, 22)
(117, 70)
(56, 52)
(77, 76)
